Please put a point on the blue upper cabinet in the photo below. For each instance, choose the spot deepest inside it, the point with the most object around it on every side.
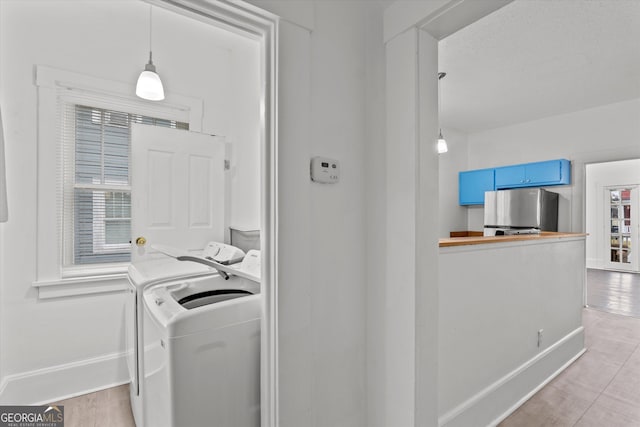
(473, 184)
(552, 172)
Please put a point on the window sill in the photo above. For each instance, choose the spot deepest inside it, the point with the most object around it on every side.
(89, 271)
(87, 285)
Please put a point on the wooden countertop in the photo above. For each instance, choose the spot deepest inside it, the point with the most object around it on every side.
(473, 240)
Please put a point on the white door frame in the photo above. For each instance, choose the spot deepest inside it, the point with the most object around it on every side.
(411, 31)
(255, 23)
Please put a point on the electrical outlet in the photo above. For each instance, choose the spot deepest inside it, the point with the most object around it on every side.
(540, 332)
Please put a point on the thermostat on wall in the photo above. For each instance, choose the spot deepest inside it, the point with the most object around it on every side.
(325, 170)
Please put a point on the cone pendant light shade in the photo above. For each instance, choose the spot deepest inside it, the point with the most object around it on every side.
(442, 144)
(149, 85)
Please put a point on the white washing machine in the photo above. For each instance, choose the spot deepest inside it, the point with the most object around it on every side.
(202, 350)
(142, 275)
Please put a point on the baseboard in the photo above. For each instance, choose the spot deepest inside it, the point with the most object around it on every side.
(595, 263)
(496, 401)
(64, 381)
(537, 389)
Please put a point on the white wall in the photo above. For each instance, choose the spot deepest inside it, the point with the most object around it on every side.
(489, 354)
(338, 276)
(399, 330)
(107, 40)
(598, 176)
(322, 279)
(244, 136)
(427, 218)
(453, 217)
(376, 223)
(295, 316)
(609, 132)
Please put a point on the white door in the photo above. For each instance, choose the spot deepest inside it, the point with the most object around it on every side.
(621, 228)
(177, 189)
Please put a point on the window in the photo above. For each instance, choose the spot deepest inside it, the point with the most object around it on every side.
(97, 199)
(106, 104)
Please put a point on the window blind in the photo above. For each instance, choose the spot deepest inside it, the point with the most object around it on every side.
(97, 189)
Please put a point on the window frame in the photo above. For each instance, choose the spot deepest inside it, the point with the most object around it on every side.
(56, 88)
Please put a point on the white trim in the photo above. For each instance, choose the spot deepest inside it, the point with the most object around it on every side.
(529, 395)
(83, 285)
(486, 395)
(60, 382)
(402, 15)
(439, 18)
(595, 263)
(95, 270)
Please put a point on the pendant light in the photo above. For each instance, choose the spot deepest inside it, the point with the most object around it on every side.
(442, 144)
(149, 84)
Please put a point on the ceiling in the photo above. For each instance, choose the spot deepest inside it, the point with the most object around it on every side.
(539, 58)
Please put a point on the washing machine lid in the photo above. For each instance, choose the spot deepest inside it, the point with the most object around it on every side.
(200, 299)
(145, 272)
(233, 303)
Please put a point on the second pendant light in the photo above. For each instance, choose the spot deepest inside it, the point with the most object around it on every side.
(442, 143)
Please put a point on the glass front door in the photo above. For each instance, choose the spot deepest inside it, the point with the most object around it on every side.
(621, 228)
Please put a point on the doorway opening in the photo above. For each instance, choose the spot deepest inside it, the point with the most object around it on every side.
(612, 222)
(254, 23)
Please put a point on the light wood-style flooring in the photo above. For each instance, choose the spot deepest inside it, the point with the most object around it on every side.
(614, 292)
(105, 408)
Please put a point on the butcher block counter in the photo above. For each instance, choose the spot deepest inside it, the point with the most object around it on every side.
(480, 240)
(509, 320)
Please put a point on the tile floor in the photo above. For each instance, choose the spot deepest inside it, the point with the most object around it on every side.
(601, 389)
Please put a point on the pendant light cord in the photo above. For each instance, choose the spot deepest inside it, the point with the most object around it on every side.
(440, 77)
(150, 27)
(439, 104)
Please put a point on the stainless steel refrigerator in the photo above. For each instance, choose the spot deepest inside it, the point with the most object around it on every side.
(521, 211)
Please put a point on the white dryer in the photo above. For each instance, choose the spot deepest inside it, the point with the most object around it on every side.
(202, 350)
